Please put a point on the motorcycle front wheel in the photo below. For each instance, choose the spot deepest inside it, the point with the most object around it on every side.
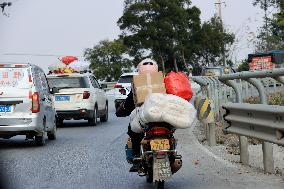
(159, 184)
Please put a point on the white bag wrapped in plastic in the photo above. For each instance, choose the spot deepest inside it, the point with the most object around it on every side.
(163, 108)
(168, 108)
(134, 121)
(56, 66)
(79, 65)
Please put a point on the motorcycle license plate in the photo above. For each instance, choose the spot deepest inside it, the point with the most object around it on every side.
(160, 144)
(161, 169)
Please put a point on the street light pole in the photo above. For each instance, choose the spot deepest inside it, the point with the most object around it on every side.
(219, 16)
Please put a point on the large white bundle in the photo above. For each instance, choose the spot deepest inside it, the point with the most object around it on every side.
(163, 108)
(56, 66)
(79, 65)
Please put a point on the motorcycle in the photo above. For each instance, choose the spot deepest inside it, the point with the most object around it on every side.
(158, 158)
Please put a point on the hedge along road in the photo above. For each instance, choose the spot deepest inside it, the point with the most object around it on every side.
(93, 157)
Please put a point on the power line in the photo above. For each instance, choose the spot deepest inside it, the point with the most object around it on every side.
(41, 55)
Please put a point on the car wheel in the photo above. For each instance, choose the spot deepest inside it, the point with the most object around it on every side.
(116, 104)
(104, 118)
(93, 121)
(52, 134)
(59, 122)
(40, 140)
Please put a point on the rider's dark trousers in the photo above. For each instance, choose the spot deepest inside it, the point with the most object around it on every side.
(136, 138)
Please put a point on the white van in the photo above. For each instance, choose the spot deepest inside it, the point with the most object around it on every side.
(26, 107)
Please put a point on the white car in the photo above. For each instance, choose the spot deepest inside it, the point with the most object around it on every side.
(123, 88)
(78, 96)
(26, 107)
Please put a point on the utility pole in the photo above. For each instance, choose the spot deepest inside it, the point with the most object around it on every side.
(218, 5)
(219, 9)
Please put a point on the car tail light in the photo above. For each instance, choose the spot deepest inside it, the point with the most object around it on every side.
(35, 103)
(30, 78)
(159, 131)
(86, 94)
(118, 86)
(122, 91)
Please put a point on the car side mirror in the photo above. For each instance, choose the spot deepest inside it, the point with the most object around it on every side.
(54, 90)
(104, 86)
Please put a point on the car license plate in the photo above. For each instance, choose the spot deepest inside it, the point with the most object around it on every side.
(5, 109)
(160, 144)
(62, 98)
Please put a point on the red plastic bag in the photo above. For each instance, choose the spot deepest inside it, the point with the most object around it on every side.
(178, 84)
(68, 59)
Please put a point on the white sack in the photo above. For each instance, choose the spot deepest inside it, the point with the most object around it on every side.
(79, 65)
(136, 123)
(167, 108)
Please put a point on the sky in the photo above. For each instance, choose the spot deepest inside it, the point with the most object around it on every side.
(68, 27)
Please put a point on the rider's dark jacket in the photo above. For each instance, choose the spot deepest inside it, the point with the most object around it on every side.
(127, 107)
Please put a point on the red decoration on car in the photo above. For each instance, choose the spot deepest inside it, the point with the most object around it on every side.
(68, 59)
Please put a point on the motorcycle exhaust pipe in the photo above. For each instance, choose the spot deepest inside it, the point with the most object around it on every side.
(176, 165)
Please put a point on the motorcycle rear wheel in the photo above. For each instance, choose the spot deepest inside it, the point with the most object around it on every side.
(159, 184)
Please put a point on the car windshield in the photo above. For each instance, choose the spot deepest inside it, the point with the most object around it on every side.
(68, 82)
(125, 79)
(212, 72)
(14, 78)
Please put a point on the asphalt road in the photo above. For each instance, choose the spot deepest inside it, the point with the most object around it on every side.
(93, 157)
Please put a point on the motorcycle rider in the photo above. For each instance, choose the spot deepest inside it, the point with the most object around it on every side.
(146, 66)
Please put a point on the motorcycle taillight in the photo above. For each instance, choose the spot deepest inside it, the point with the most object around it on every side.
(159, 131)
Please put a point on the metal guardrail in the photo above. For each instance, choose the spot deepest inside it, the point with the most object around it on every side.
(259, 121)
(233, 88)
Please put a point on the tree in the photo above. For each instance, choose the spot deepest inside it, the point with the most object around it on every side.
(4, 5)
(244, 66)
(212, 39)
(108, 60)
(170, 31)
(161, 27)
(271, 35)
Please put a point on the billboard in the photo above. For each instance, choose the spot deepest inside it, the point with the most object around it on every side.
(261, 63)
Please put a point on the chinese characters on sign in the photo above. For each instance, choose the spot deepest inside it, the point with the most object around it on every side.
(10, 78)
(261, 63)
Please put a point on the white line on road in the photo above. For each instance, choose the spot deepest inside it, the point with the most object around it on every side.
(208, 152)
